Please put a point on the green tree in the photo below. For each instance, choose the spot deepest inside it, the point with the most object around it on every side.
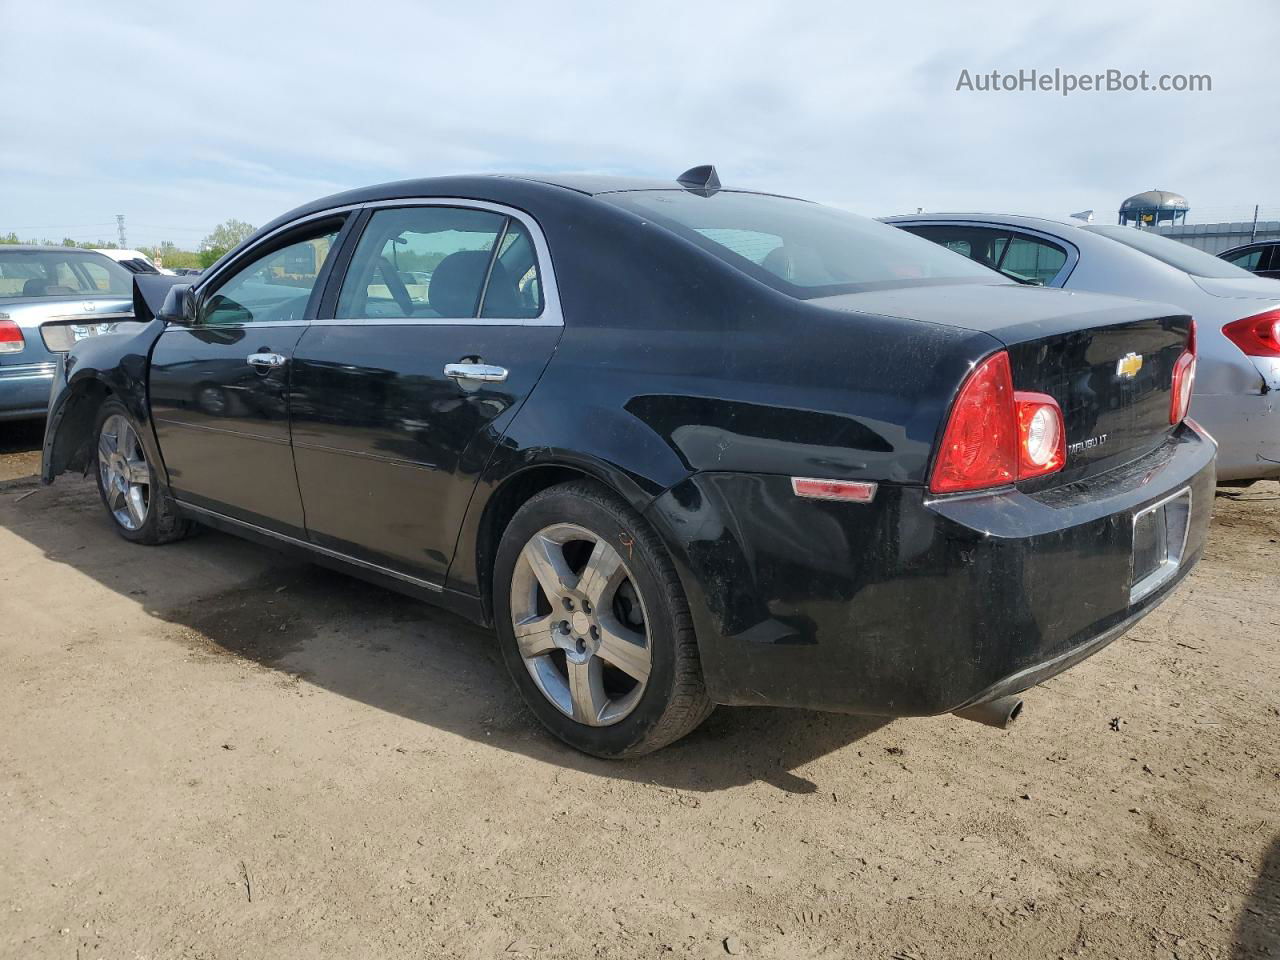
(9, 237)
(223, 238)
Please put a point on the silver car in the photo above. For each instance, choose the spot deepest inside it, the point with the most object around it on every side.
(1237, 314)
(50, 297)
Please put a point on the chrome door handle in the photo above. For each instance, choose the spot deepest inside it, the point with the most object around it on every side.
(475, 371)
(266, 360)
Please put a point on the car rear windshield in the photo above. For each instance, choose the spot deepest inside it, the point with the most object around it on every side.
(27, 274)
(801, 248)
(1175, 254)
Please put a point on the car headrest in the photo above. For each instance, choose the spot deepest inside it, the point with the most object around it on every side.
(36, 287)
(456, 281)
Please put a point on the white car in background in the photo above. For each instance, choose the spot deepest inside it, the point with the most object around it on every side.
(135, 261)
(1237, 314)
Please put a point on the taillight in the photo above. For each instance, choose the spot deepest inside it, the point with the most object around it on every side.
(1042, 436)
(1184, 380)
(995, 435)
(10, 337)
(1257, 336)
(1184, 383)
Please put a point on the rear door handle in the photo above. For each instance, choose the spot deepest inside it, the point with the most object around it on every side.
(475, 371)
(265, 360)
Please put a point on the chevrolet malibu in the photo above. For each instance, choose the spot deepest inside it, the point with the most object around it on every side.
(680, 445)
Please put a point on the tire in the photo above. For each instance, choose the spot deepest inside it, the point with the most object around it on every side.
(571, 532)
(133, 491)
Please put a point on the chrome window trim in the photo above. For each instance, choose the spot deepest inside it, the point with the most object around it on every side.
(1059, 278)
(551, 315)
(308, 545)
(256, 325)
(205, 282)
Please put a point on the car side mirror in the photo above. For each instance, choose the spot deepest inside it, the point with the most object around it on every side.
(179, 306)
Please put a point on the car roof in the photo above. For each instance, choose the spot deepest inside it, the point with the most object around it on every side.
(512, 189)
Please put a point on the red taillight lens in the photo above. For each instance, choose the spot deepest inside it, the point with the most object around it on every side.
(1184, 380)
(1042, 436)
(980, 444)
(995, 435)
(1184, 383)
(10, 337)
(1257, 336)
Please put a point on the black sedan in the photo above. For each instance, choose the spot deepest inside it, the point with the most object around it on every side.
(680, 445)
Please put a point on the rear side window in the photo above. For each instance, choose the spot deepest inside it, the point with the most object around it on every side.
(438, 262)
(803, 249)
(1032, 259)
(61, 273)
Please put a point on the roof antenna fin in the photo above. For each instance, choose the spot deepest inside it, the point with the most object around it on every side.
(700, 180)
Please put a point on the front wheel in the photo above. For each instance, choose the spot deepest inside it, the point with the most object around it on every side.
(131, 488)
(594, 625)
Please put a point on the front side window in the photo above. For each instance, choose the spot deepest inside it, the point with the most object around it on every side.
(983, 244)
(274, 287)
(438, 262)
(803, 249)
(61, 273)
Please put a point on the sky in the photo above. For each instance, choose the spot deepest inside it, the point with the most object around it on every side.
(180, 116)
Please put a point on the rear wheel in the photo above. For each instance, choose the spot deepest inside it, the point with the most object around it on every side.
(594, 625)
(131, 489)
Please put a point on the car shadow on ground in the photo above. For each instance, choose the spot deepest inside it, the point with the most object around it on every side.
(392, 652)
(1257, 932)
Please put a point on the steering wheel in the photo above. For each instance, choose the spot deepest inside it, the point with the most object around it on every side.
(398, 290)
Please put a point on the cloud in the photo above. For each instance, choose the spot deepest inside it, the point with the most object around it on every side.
(180, 118)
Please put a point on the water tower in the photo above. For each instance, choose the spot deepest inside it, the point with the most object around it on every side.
(1149, 210)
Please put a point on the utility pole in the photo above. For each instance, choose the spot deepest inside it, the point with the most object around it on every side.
(120, 229)
(1253, 234)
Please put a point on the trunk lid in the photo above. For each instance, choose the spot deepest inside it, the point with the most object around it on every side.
(1107, 361)
(55, 324)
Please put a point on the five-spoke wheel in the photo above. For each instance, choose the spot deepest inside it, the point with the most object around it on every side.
(123, 473)
(580, 624)
(594, 623)
(132, 489)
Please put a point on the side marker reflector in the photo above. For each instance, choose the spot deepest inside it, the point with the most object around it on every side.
(851, 491)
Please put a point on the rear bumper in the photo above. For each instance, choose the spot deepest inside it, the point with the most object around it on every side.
(911, 605)
(24, 390)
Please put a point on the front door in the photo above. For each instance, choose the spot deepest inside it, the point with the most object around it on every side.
(439, 332)
(219, 387)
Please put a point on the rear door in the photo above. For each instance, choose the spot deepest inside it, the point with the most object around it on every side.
(431, 337)
(219, 387)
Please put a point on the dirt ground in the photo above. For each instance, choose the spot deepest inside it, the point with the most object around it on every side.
(210, 751)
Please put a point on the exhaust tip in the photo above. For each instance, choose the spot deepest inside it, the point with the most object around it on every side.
(1000, 713)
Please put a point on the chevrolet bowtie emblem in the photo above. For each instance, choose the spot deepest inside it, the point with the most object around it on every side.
(1129, 365)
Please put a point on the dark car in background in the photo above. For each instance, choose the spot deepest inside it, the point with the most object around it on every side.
(50, 297)
(680, 445)
(1262, 258)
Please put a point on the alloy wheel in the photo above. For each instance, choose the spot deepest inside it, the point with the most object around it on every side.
(580, 624)
(124, 473)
